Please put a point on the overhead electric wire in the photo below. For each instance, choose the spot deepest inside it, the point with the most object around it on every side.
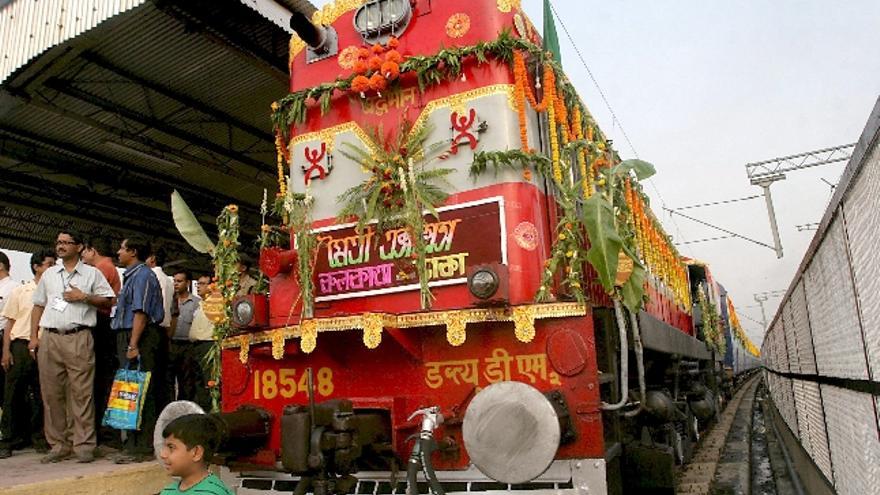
(614, 119)
(707, 224)
(593, 78)
(750, 318)
(724, 202)
(704, 240)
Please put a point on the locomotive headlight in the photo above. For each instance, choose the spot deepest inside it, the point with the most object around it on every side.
(483, 283)
(242, 312)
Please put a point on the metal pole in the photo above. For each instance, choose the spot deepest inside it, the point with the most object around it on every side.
(760, 298)
(774, 228)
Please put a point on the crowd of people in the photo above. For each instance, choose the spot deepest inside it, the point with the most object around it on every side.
(67, 331)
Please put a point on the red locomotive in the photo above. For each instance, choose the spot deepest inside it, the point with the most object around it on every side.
(467, 259)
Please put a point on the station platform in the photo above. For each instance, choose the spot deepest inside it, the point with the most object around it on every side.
(22, 474)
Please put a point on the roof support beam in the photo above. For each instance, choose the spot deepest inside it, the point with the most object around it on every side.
(143, 140)
(107, 225)
(66, 88)
(79, 198)
(175, 247)
(95, 165)
(185, 100)
(244, 47)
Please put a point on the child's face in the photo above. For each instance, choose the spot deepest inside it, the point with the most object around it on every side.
(179, 460)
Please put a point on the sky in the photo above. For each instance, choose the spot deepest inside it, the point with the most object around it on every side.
(703, 87)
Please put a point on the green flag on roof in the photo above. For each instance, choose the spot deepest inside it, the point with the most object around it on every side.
(551, 40)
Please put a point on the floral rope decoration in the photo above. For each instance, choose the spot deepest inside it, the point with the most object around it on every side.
(429, 70)
(281, 154)
(520, 96)
(568, 253)
(581, 153)
(226, 281)
(559, 95)
(554, 144)
(599, 222)
(711, 332)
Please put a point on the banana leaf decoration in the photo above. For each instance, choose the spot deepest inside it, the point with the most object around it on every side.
(188, 226)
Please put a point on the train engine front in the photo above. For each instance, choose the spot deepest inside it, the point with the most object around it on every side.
(452, 226)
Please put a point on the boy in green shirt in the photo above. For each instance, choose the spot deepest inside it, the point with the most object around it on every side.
(190, 443)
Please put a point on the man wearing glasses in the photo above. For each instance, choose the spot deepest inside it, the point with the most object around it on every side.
(66, 301)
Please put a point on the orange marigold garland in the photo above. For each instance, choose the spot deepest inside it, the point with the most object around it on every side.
(360, 84)
(523, 91)
(281, 154)
(393, 56)
(391, 70)
(519, 79)
(378, 83)
(375, 67)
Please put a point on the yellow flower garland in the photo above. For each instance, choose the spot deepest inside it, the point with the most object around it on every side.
(554, 145)
(582, 153)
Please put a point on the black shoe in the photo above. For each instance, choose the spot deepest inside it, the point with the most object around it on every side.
(126, 458)
(58, 456)
(5, 453)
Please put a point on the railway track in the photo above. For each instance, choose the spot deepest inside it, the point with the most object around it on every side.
(698, 476)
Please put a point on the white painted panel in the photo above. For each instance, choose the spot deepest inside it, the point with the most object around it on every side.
(852, 434)
(801, 323)
(818, 434)
(862, 210)
(832, 307)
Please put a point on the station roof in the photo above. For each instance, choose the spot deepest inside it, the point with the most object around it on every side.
(98, 126)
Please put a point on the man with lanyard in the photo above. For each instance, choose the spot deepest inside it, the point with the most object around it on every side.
(182, 365)
(141, 342)
(22, 421)
(65, 307)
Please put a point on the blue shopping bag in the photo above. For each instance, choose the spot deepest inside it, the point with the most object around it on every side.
(127, 399)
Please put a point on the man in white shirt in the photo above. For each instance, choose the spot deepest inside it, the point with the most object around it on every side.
(66, 303)
(155, 262)
(6, 286)
(22, 421)
(201, 333)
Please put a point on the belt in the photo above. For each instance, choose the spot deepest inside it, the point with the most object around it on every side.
(68, 331)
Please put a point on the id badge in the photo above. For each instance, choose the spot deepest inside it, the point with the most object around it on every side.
(59, 304)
